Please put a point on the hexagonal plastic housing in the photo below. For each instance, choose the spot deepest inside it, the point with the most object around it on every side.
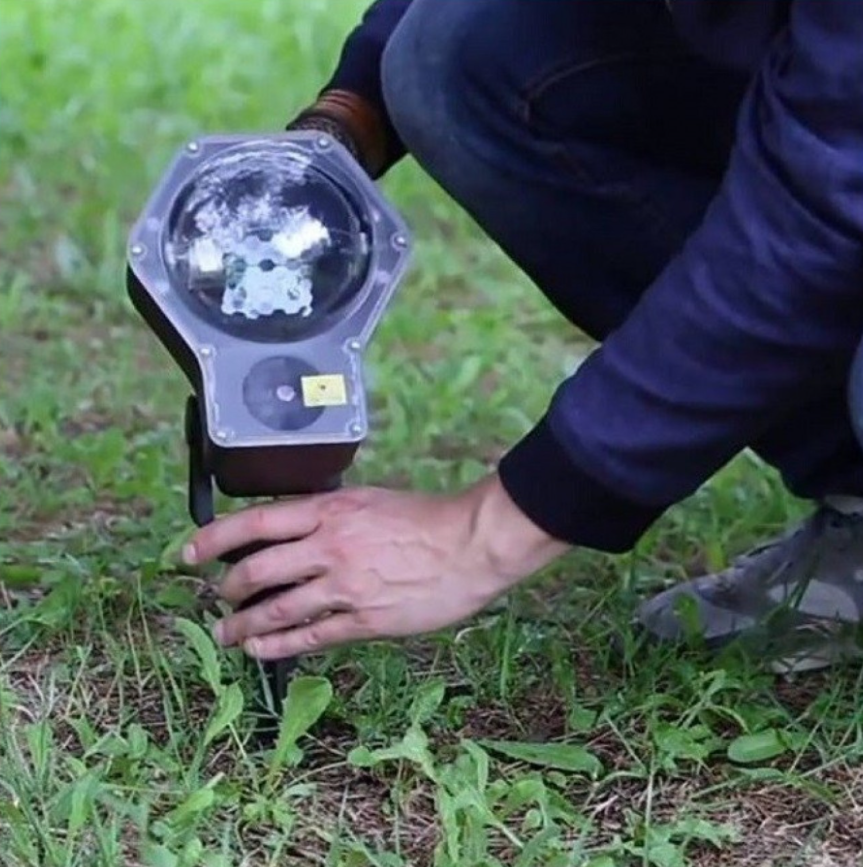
(264, 265)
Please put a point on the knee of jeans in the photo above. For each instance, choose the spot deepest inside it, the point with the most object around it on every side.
(417, 60)
(427, 76)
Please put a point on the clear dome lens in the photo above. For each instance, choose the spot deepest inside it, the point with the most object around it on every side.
(265, 246)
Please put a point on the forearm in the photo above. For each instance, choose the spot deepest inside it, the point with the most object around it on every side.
(760, 310)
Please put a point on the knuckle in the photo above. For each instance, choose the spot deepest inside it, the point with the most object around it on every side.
(342, 594)
(242, 575)
(335, 549)
(281, 607)
(259, 521)
(316, 636)
(338, 545)
(254, 572)
(363, 621)
(207, 540)
(265, 567)
(341, 502)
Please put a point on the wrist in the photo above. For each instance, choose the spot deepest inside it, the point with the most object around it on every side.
(356, 119)
(507, 540)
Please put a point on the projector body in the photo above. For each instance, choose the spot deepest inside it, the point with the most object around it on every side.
(264, 264)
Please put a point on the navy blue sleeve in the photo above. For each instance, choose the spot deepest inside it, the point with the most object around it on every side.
(741, 326)
(359, 66)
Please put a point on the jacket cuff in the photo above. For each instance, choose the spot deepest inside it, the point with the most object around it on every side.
(357, 75)
(568, 503)
(354, 122)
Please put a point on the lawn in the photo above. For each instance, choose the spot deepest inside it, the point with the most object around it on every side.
(529, 736)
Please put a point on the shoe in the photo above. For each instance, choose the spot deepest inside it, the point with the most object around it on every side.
(796, 602)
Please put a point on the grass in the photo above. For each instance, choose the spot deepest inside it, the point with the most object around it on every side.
(518, 739)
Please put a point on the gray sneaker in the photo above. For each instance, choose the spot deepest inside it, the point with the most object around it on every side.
(796, 602)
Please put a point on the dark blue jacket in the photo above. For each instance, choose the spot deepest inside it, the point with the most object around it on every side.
(760, 309)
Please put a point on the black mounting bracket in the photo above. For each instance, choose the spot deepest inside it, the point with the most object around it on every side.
(274, 677)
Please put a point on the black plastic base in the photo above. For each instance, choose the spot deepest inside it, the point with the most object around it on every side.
(273, 678)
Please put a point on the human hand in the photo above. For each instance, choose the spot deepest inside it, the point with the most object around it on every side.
(369, 564)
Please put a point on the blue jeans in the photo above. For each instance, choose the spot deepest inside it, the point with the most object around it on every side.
(587, 141)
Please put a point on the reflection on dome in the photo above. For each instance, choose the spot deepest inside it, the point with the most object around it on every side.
(266, 246)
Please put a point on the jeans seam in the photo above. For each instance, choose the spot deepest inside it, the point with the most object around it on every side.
(534, 88)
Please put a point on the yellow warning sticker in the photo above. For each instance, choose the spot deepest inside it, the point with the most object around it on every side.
(324, 391)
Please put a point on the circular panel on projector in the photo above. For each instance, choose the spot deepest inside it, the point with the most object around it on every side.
(274, 395)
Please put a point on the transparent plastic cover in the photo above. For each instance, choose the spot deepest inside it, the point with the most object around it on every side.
(265, 246)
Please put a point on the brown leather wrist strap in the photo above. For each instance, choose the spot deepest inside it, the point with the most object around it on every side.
(309, 120)
(361, 121)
